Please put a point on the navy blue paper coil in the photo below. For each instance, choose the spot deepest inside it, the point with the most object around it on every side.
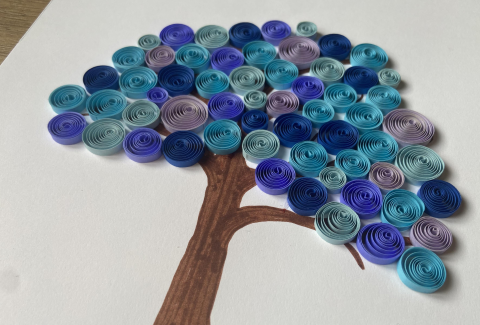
(67, 128)
(365, 117)
(334, 46)
(441, 198)
(370, 56)
(100, 77)
(363, 196)
(336, 136)
(222, 137)
(318, 111)
(106, 103)
(275, 31)
(211, 82)
(292, 128)
(177, 35)
(378, 146)
(280, 74)
(183, 148)
(353, 163)
(308, 158)
(274, 176)
(225, 106)
(307, 88)
(136, 82)
(380, 243)
(243, 33)
(157, 95)
(259, 53)
(254, 120)
(194, 56)
(177, 80)
(226, 59)
(143, 145)
(128, 57)
(360, 78)
(306, 195)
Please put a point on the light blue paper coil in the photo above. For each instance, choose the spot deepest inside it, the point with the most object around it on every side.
(259, 145)
(69, 98)
(333, 178)
(281, 74)
(365, 117)
(378, 146)
(353, 163)
(368, 55)
(212, 37)
(245, 79)
(419, 164)
(307, 29)
(340, 96)
(141, 114)
(401, 209)
(211, 82)
(104, 137)
(128, 57)
(106, 103)
(336, 223)
(223, 137)
(329, 70)
(308, 158)
(194, 56)
(136, 82)
(318, 111)
(259, 53)
(255, 99)
(148, 42)
(384, 97)
(389, 77)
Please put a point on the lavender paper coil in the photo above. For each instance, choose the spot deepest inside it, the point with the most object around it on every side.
(184, 113)
(408, 127)
(431, 234)
(301, 51)
(386, 176)
(282, 102)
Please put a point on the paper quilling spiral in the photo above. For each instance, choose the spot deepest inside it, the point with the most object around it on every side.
(177, 80)
(67, 128)
(386, 176)
(225, 106)
(68, 98)
(159, 57)
(141, 114)
(408, 127)
(148, 42)
(307, 88)
(183, 148)
(421, 270)
(329, 70)
(259, 53)
(211, 82)
(336, 136)
(432, 234)
(441, 198)
(176, 35)
(389, 77)
(340, 96)
(365, 117)
(378, 146)
(143, 145)
(104, 137)
(100, 77)
(255, 99)
(318, 112)
(128, 57)
(280, 74)
(243, 33)
(419, 164)
(306, 29)
(275, 31)
(274, 176)
(334, 46)
(106, 103)
(401, 209)
(136, 82)
(333, 178)
(363, 197)
(353, 163)
(306, 195)
(212, 37)
(336, 223)
(157, 95)
(245, 79)
(360, 78)
(184, 113)
(308, 158)
(260, 145)
(254, 120)
(369, 55)
(282, 102)
(301, 51)
(222, 137)
(380, 243)
(292, 128)
(384, 97)
(226, 59)
(194, 56)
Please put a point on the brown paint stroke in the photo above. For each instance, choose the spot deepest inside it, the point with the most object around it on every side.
(407, 240)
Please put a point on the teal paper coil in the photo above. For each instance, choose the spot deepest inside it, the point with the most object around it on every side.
(340, 96)
(333, 178)
(368, 55)
(255, 99)
(308, 158)
(365, 117)
(194, 56)
(307, 29)
(259, 145)
(384, 97)
(222, 137)
(106, 103)
(128, 57)
(401, 209)
(136, 82)
(141, 114)
(259, 53)
(419, 164)
(104, 137)
(148, 42)
(318, 111)
(329, 70)
(245, 79)
(378, 146)
(280, 74)
(211, 82)
(353, 163)
(389, 77)
(70, 98)
(212, 37)
(336, 223)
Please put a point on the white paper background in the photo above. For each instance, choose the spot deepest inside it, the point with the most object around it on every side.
(95, 240)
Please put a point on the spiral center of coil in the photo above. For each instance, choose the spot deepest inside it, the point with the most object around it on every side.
(423, 159)
(369, 53)
(246, 32)
(143, 139)
(400, 209)
(297, 126)
(387, 235)
(180, 144)
(435, 231)
(368, 117)
(309, 154)
(342, 133)
(233, 57)
(364, 73)
(261, 50)
(228, 132)
(192, 53)
(309, 84)
(311, 192)
(188, 109)
(387, 173)
(112, 101)
(335, 42)
(384, 143)
(66, 126)
(262, 143)
(330, 66)
(218, 33)
(230, 102)
(70, 97)
(136, 80)
(353, 161)
(282, 70)
(102, 75)
(411, 122)
(385, 95)
(277, 170)
(175, 34)
(178, 82)
(214, 76)
(366, 195)
(343, 93)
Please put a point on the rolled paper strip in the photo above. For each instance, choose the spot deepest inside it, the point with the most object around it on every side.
(308, 158)
(431, 234)
(365, 117)
(254, 120)
(157, 95)
(306, 195)
(275, 31)
(245, 79)
(128, 57)
(136, 82)
(384, 97)
(301, 51)
(280, 74)
(333, 178)
(143, 145)
(106, 103)
(378, 146)
(184, 113)
(336, 223)
(225, 106)
(212, 37)
(141, 114)
(159, 57)
(421, 270)
(419, 164)
(282, 102)
(104, 137)
(259, 145)
(401, 209)
(176, 35)
(243, 33)
(307, 88)
(336, 136)
(226, 59)
(364, 197)
(274, 176)
(340, 96)
(259, 53)
(68, 98)
(386, 176)
(329, 70)
(292, 128)
(222, 137)
(100, 77)
(380, 243)
(389, 77)
(307, 29)
(67, 128)
(177, 80)
(408, 127)
(194, 56)
(360, 78)
(353, 163)
(183, 148)
(148, 42)
(255, 99)
(334, 46)
(370, 56)
(211, 82)
(441, 198)
(318, 112)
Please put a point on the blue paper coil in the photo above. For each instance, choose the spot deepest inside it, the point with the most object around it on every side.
(259, 53)
(401, 209)
(67, 128)
(68, 98)
(225, 106)
(340, 96)
(100, 77)
(378, 146)
(370, 56)
(338, 135)
(106, 103)
(292, 128)
(441, 198)
(136, 82)
(143, 145)
(363, 196)
(380, 243)
(280, 74)
(334, 46)
(226, 59)
(274, 176)
(177, 80)
(307, 88)
(243, 33)
(360, 78)
(329, 70)
(194, 56)
(318, 112)
(275, 31)
(177, 35)
(254, 120)
(211, 82)
(384, 97)
(157, 95)
(365, 117)
(353, 163)
(183, 148)
(222, 137)
(306, 195)
(308, 158)
(128, 57)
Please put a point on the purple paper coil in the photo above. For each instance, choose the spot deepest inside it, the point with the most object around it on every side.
(363, 197)
(184, 113)
(386, 176)
(143, 145)
(380, 243)
(274, 176)
(307, 88)
(275, 31)
(159, 57)
(431, 234)
(157, 95)
(301, 51)
(177, 35)
(226, 106)
(408, 127)
(226, 59)
(67, 128)
(282, 102)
